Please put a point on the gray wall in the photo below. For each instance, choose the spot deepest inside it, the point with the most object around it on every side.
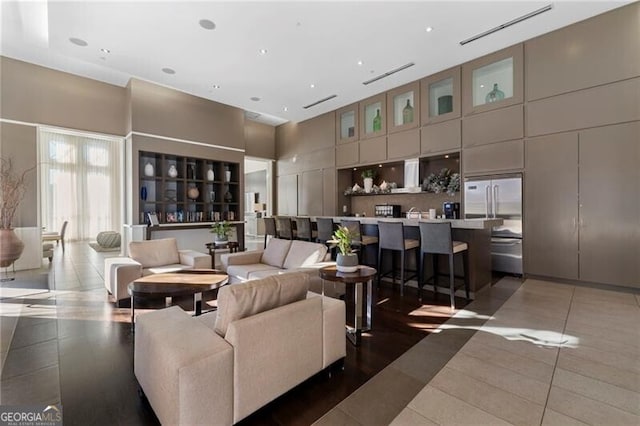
(256, 182)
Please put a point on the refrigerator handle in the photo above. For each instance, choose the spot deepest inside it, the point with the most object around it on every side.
(487, 201)
(494, 206)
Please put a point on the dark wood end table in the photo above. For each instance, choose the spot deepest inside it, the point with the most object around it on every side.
(233, 247)
(364, 274)
(181, 283)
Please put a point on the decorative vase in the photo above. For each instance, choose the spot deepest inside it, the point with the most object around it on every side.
(10, 247)
(407, 113)
(143, 193)
(228, 197)
(445, 104)
(494, 95)
(210, 175)
(347, 262)
(212, 196)
(193, 193)
(377, 121)
(227, 176)
(148, 169)
(368, 185)
(173, 172)
(220, 239)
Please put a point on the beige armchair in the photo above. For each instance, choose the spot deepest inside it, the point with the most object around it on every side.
(149, 257)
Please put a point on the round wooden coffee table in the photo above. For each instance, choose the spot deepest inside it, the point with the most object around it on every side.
(181, 283)
(364, 274)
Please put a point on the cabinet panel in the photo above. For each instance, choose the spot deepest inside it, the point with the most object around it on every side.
(583, 55)
(347, 154)
(310, 190)
(599, 106)
(373, 117)
(404, 144)
(441, 137)
(440, 96)
(551, 206)
(403, 110)
(347, 124)
(329, 192)
(373, 150)
(316, 133)
(610, 205)
(287, 187)
(494, 126)
(494, 157)
(493, 81)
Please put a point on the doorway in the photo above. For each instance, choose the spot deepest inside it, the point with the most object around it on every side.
(258, 202)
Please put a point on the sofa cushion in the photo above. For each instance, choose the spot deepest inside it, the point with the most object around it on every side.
(239, 301)
(276, 252)
(303, 253)
(164, 269)
(245, 272)
(150, 253)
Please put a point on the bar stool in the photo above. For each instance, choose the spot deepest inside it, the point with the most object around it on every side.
(269, 229)
(360, 241)
(303, 229)
(391, 236)
(325, 233)
(285, 228)
(436, 239)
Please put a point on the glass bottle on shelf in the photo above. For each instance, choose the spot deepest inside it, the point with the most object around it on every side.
(407, 113)
(210, 174)
(494, 95)
(377, 121)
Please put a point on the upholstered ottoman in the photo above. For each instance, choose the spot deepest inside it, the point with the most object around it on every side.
(108, 239)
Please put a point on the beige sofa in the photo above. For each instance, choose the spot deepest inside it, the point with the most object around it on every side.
(279, 257)
(149, 257)
(266, 337)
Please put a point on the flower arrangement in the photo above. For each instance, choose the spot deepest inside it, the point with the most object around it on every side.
(13, 186)
(444, 181)
(384, 188)
(221, 229)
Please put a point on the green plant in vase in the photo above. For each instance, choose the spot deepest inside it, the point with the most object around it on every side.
(222, 230)
(367, 177)
(347, 260)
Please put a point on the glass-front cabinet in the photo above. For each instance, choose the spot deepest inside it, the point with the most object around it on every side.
(373, 120)
(441, 96)
(404, 107)
(493, 81)
(180, 189)
(347, 129)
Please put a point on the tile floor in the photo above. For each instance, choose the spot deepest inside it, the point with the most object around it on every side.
(552, 354)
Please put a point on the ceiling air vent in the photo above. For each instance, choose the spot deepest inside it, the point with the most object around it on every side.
(319, 102)
(388, 73)
(250, 115)
(507, 24)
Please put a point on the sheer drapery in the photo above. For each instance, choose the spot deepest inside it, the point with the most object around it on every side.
(81, 183)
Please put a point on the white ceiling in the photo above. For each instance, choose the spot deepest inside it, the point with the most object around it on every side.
(307, 43)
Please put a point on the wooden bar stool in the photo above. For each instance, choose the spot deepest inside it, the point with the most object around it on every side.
(391, 235)
(436, 239)
(303, 229)
(325, 233)
(360, 241)
(269, 229)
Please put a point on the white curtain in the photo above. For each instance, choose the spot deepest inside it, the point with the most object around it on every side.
(81, 183)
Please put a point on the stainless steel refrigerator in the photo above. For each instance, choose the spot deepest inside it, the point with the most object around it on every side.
(499, 197)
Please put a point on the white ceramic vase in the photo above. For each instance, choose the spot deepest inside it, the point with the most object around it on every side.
(173, 172)
(210, 175)
(368, 185)
(148, 169)
(347, 262)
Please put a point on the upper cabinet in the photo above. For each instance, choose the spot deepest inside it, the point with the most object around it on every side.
(493, 81)
(440, 96)
(373, 120)
(404, 107)
(347, 124)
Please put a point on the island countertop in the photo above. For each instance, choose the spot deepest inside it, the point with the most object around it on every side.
(455, 223)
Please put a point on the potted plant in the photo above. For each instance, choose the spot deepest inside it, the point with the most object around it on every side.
(13, 186)
(347, 260)
(367, 176)
(222, 230)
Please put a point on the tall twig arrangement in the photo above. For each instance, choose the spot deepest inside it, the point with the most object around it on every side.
(13, 186)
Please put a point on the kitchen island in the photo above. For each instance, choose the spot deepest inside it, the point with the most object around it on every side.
(475, 232)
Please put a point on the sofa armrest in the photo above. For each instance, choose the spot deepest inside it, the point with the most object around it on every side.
(242, 258)
(334, 344)
(118, 273)
(195, 259)
(184, 368)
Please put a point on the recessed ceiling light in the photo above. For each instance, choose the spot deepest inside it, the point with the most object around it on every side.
(360, 63)
(379, 165)
(481, 86)
(254, 98)
(168, 71)
(207, 24)
(285, 109)
(263, 51)
(103, 50)
(446, 156)
(78, 41)
(312, 85)
(216, 86)
(429, 29)
(355, 168)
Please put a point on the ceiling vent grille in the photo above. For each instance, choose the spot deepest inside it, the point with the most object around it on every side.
(388, 73)
(250, 115)
(507, 24)
(319, 102)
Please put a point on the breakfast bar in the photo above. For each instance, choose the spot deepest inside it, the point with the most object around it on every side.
(475, 232)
